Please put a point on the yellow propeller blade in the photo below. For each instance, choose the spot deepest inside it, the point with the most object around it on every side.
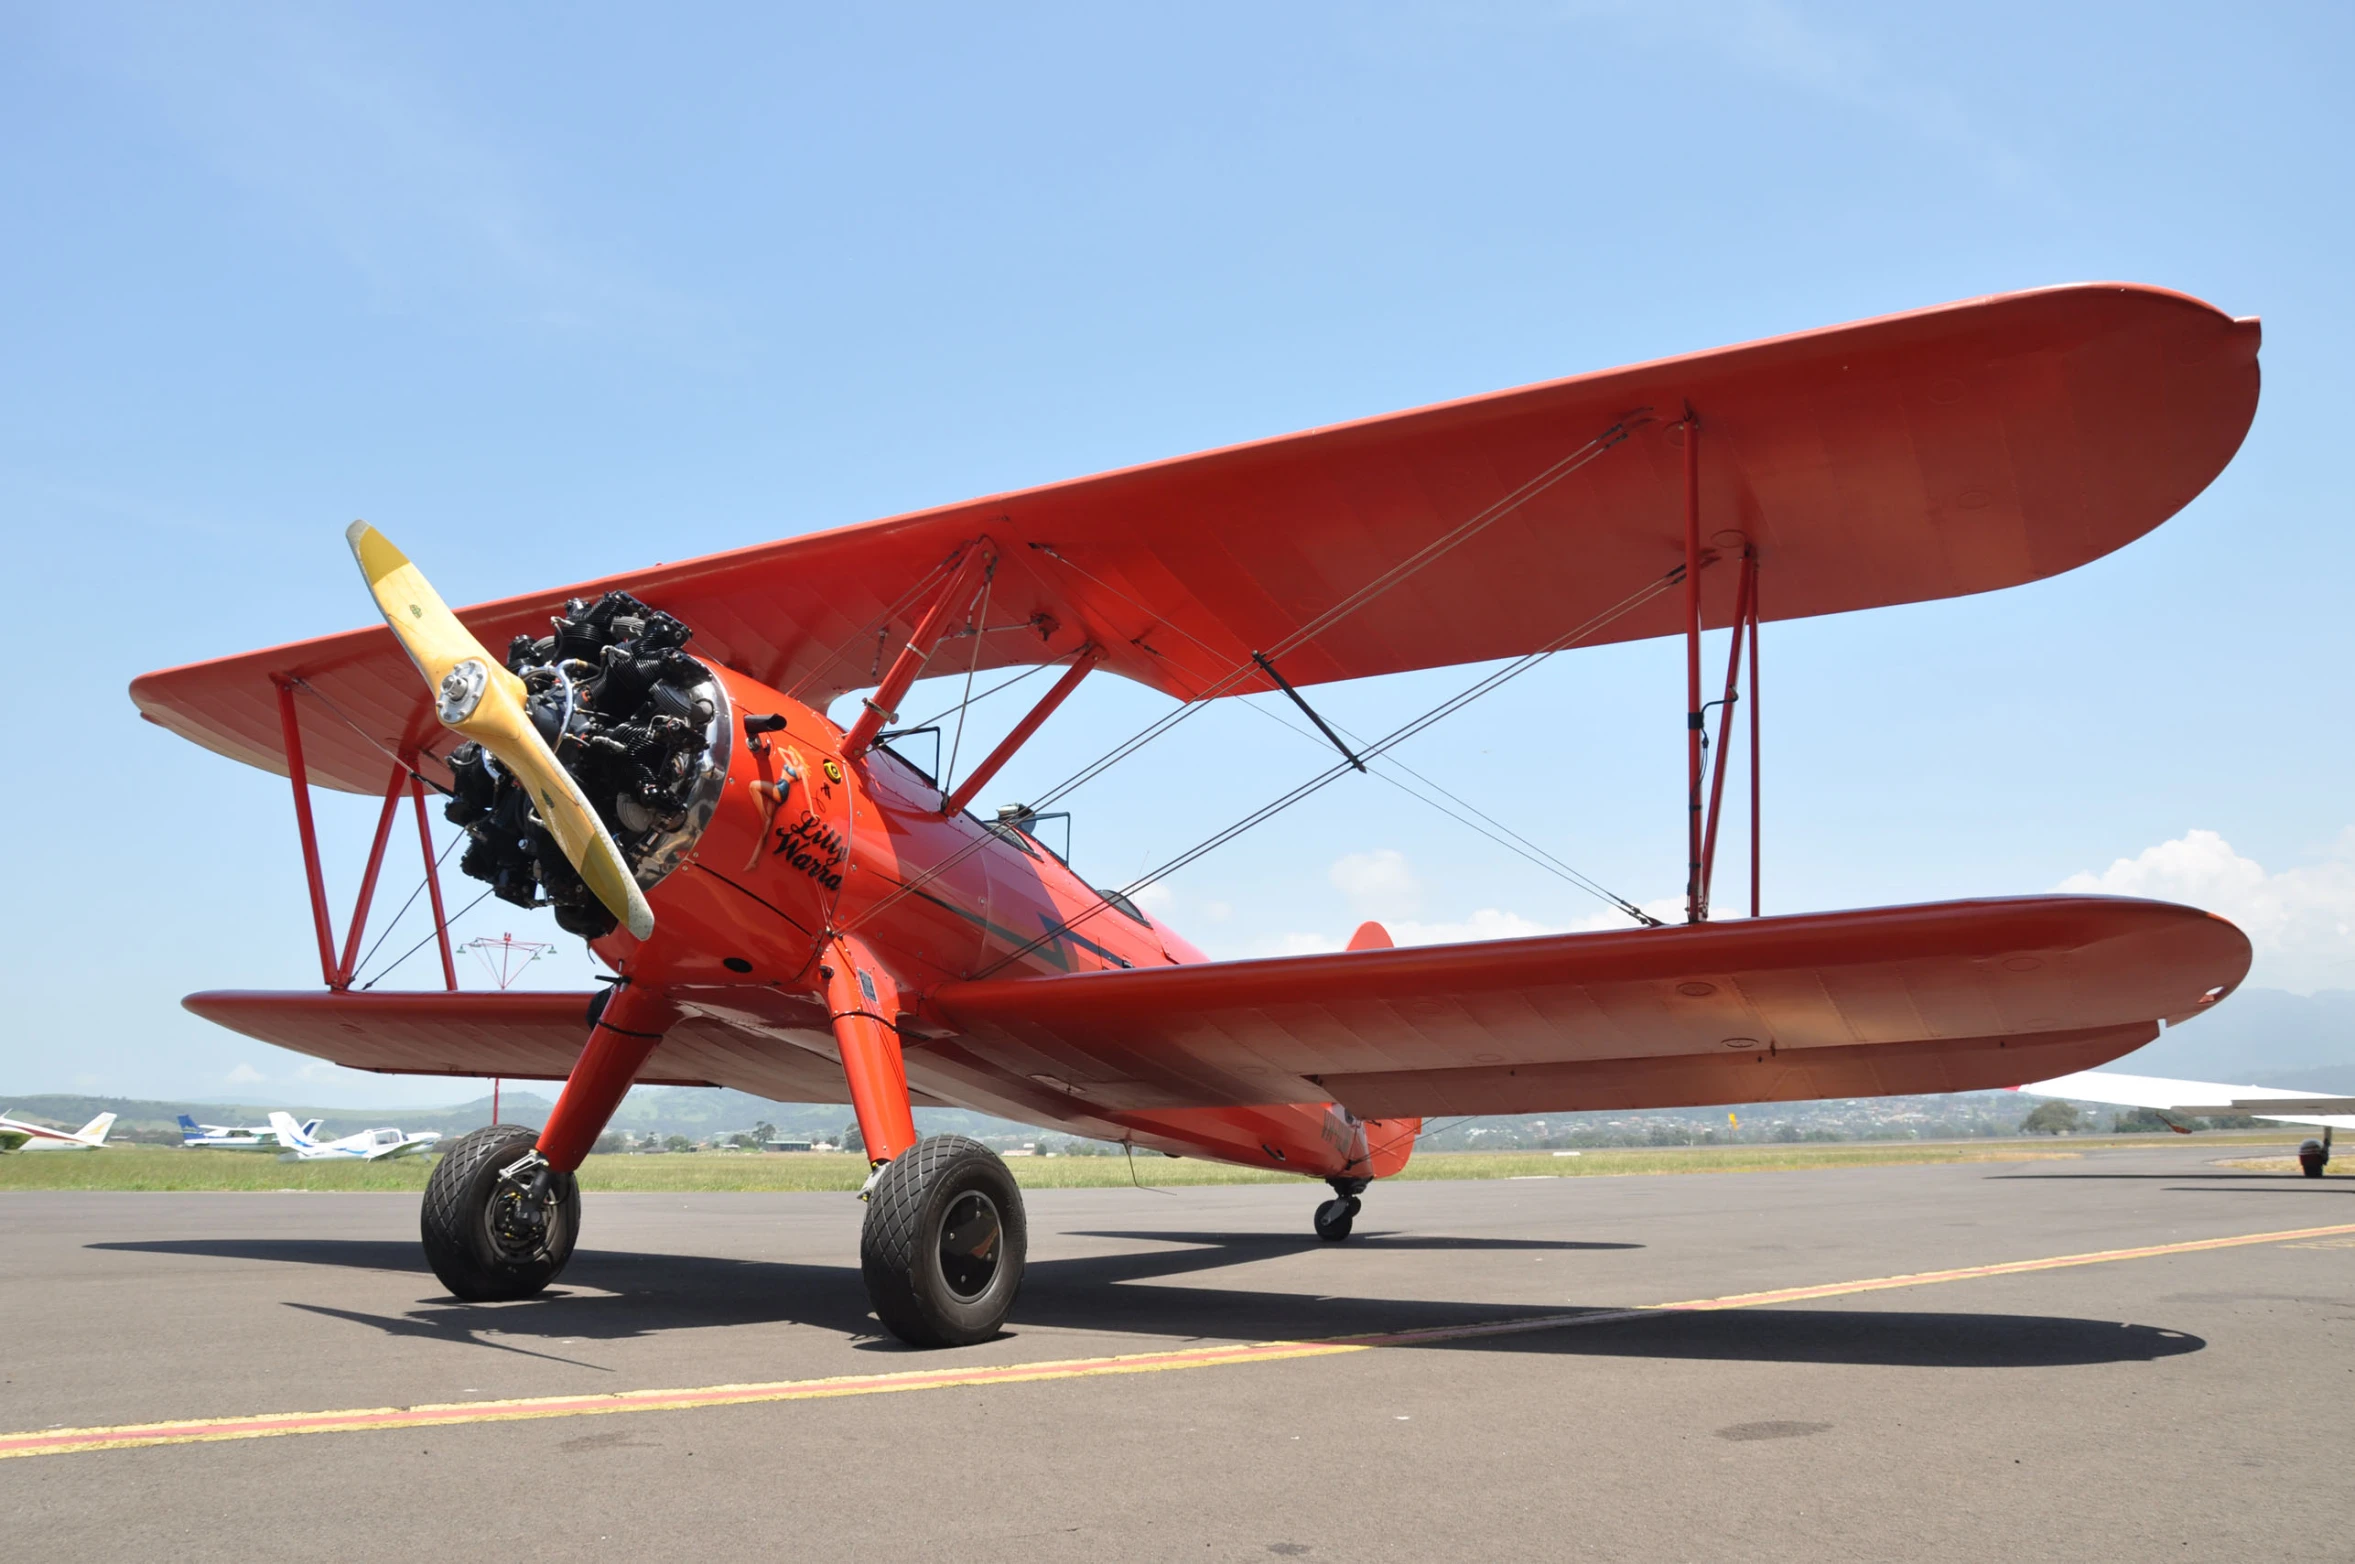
(475, 695)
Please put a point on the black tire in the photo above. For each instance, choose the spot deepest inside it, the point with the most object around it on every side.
(1335, 1217)
(2311, 1166)
(473, 1239)
(944, 1243)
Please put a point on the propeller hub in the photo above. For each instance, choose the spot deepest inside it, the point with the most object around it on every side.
(461, 691)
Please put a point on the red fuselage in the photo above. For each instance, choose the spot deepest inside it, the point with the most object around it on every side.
(804, 844)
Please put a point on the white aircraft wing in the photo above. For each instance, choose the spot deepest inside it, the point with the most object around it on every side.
(399, 1145)
(2200, 1099)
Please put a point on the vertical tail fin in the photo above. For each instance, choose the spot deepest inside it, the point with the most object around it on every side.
(290, 1134)
(95, 1131)
(189, 1129)
(311, 1128)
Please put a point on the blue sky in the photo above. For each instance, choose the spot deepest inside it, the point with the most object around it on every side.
(552, 294)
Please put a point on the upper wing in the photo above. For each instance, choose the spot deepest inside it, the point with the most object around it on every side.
(1952, 450)
(2200, 1099)
(1955, 996)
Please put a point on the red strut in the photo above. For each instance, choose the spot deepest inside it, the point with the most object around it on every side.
(883, 705)
(1692, 664)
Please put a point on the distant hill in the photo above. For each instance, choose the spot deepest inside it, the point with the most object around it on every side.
(693, 1111)
(2261, 1037)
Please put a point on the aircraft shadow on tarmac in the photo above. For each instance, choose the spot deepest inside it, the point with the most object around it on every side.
(613, 1296)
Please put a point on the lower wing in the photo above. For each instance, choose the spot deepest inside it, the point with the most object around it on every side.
(1953, 996)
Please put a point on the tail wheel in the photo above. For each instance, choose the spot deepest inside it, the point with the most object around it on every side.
(944, 1243)
(490, 1238)
(1335, 1217)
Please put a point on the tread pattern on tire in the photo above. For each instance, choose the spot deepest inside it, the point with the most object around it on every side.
(445, 1209)
(898, 1196)
(893, 1237)
(458, 1165)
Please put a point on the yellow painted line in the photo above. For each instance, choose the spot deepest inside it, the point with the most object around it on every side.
(63, 1441)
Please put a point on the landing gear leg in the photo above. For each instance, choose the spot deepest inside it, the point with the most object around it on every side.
(945, 1238)
(502, 1209)
(1334, 1217)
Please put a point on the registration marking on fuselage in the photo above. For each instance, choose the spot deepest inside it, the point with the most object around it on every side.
(65, 1441)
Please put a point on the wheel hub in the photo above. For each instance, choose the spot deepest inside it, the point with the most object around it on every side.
(972, 1236)
(518, 1224)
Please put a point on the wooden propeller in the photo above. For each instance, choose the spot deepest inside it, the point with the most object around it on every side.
(476, 696)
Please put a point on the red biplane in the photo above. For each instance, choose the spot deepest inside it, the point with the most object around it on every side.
(791, 908)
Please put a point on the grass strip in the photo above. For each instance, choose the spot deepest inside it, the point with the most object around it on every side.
(168, 1169)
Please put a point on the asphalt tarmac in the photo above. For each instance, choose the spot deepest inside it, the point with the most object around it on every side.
(2180, 1400)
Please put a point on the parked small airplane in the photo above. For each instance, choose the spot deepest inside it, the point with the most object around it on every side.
(17, 1135)
(234, 1137)
(795, 908)
(367, 1146)
(2177, 1103)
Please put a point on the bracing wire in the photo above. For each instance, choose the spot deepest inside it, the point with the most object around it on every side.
(879, 626)
(421, 944)
(1240, 671)
(977, 621)
(1339, 769)
(395, 922)
(975, 700)
(1475, 819)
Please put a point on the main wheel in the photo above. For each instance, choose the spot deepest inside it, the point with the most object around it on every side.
(2311, 1166)
(484, 1236)
(944, 1242)
(1335, 1216)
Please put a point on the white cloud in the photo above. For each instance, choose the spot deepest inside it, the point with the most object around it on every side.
(245, 1075)
(2301, 921)
(1378, 884)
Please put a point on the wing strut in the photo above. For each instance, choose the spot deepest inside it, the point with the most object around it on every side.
(1089, 656)
(880, 707)
(1306, 710)
(338, 972)
(1694, 896)
(1743, 609)
(1704, 811)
